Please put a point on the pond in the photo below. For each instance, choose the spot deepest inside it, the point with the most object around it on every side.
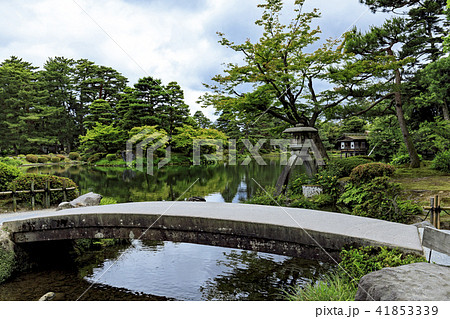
(219, 183)
(167, 270)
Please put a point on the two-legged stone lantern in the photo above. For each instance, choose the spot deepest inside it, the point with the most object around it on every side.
(304, 153)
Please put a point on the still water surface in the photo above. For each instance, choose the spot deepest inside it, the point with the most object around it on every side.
(167, 270)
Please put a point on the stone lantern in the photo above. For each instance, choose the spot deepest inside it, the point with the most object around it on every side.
(303, 154)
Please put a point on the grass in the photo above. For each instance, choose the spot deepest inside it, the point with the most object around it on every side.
(419, 184)
(332, 287)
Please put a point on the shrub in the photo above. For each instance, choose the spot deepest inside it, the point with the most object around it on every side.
(403, 159)
(7, 174)
(358, 262)
(24, 181)
(111, 157)
(95, 158)
(332, 287)
(74, 156)
(10, 161)
(43, 159)
(342, 167)
(108, 201)
(342, 284)
(56, 159)
(367, 172)
(7, 263)
(32, 158)
(302, 202)
(378, 199)
(442, 162)
(61, 157)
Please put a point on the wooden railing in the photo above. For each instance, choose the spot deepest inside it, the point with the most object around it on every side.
(46, 191)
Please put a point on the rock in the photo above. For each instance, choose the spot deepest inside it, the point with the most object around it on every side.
(64, 205)
(48, 296)
(413, 282)
(89, 199)
(196, 199)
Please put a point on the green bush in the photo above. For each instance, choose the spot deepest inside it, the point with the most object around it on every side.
(43, 159)
(108, 201)
(332, 287)
(61, 157)
(74, 156)
(342, 284)
(111, 157)
(7, 174)
(442, 162)
(366, 172)
(302, 202)
(378, 199)
(56, 159)
(10, 161)
(24, 181)
(358, 262)
(7, 263)
(32, 158)
(95, 158)
(403, 159)
(342, 167)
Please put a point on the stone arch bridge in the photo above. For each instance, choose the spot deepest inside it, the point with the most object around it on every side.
(286, 231)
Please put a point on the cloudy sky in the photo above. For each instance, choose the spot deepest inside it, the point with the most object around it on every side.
(174, 40)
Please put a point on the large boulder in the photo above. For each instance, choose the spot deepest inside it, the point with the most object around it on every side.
(413, 282)
(89, 199)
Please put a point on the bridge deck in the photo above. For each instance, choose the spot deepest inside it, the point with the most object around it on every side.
(317, 228)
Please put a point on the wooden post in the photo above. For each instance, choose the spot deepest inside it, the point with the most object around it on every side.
(432, 210)
(47, 194)
(437, 212)
(14, 198)
(33, 198)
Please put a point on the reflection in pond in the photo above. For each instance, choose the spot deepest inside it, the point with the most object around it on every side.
(220, 183)
(196, 272)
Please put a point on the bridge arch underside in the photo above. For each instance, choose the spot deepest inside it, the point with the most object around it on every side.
(277, 239)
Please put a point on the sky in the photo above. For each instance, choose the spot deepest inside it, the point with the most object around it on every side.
(173, 40)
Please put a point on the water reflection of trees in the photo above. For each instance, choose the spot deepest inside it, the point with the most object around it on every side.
(170, 182)
(252, 276)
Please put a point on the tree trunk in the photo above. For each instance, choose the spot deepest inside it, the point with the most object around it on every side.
(316, 139)
(445, 112)
(414, 158)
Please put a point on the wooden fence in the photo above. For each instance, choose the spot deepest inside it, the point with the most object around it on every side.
(46, 191)
(434, 210)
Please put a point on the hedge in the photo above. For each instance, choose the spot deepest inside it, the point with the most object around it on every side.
(367, 172)
(74, 156)
(32, 158)
(7, 174)
(24, 183)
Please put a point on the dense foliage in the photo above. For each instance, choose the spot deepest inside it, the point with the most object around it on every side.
(24, 182)
(7, 174)
(342, 284)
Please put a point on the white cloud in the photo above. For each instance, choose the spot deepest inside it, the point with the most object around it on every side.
(174, 40)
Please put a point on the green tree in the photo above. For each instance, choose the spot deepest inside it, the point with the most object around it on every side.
(103, 139)
(201, 120)
(282, 69)
(172, 111)
(381, 69)
(99, 112)
(23, 113)
(58, 78)
(94, 82)
(434, 86)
